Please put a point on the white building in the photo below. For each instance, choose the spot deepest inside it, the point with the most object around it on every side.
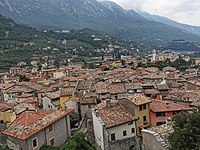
(51, 101)
(114, 126)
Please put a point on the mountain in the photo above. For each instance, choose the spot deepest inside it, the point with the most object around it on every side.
(106, 17)
(189, 28)
(183, 45)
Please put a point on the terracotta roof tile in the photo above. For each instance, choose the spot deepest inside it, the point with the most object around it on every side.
(31, 122)
(114, 115)
(161, 106)
(5, 86)
(139, 99)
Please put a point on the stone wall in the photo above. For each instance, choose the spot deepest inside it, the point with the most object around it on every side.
(153, 141)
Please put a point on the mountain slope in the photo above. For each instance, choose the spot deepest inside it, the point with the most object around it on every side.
(106, 17)
(189, 28)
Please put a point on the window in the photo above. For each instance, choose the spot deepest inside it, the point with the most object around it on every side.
(160, 123)
(52, 142)
(159, 114)
(34, 143)
(140, 107)
(144, 106)
(50, 128)
(124, 133)
(144, 118)
(112, 136)
(132, 130)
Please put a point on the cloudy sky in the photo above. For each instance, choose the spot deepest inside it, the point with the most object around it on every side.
(185, 11)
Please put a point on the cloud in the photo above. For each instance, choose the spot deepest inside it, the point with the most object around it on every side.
(184, 11)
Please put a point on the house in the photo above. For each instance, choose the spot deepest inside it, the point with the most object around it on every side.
(161, 111)
(169, 70)
(58, 74)
(102, 89)
(16, 70)
(7, 114)
(114, 90)
(51, 101)
(3, 88)
(197, 61)
(88, 102)
(138, 105)
(117, 90)
(163, 90)
(20, 108)
(114, 127)
(32, 129)
(64, 97)
(184, 97)
(117, 63)
(16, 91)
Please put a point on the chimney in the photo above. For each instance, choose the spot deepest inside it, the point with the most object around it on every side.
(107, 103)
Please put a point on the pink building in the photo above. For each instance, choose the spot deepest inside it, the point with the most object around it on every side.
(160, 111)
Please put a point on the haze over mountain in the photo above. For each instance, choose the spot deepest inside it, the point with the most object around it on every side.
(189, 28)
(107, 17)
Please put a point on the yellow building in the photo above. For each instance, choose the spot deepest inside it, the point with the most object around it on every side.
(64, 97)
(117, 63)
(7, 115)
(140, 108)
(187, 58)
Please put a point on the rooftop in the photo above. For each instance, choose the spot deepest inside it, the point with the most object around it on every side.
(113, 114)
(139, 99)
(31, 122)
(161, 106)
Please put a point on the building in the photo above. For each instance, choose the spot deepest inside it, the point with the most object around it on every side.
(64, 97)
(16, 70)
(114, 126)
(138, 105)
(161, 111)
(3, 88)
(7, 114)
(32, 129)
(163, 56)
(51, 101)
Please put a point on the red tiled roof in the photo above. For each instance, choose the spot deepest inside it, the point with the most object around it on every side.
(18, 89)
(4, 106)
(161, 106)
(5, 86)
(31, 122)
(114, 115)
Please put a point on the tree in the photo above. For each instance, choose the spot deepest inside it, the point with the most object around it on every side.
(47, 147)
(23, 78)
(186, 133)
(77, 142)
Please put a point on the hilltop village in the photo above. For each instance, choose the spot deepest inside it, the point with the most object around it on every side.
(120, 104)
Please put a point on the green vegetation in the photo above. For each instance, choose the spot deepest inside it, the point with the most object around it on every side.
(23, 78)
(77, 142)
(179, 64)
(20, 43)
(186, 135)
